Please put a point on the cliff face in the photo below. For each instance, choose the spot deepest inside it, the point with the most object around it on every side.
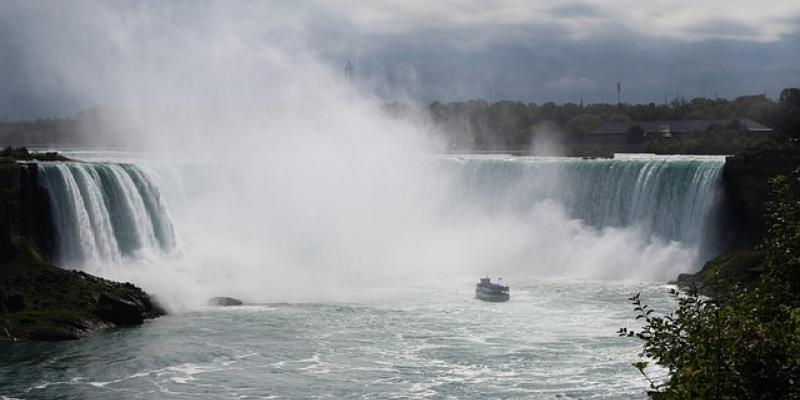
(25, 207)
(746, 189)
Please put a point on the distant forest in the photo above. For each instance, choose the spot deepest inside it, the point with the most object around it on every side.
(90, 128)
(477, 125)
(513, 125)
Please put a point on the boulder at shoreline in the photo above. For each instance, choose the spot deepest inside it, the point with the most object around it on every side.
(223, 301)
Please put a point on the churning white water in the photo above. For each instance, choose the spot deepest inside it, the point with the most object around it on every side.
(429, 340)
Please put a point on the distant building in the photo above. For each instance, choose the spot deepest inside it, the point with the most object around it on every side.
(617, 132)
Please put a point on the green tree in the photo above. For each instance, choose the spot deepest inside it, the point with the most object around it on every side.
(790, 111)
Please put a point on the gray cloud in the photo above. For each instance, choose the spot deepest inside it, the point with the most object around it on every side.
(449, 50)
(576, 10)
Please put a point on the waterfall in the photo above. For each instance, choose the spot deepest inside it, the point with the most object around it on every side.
(666, 196)
(648, 215)
(105, 212)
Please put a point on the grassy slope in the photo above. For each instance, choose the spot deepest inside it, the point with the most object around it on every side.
(41, 301)
(733, 268)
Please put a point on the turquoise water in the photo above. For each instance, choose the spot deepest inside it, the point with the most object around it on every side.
(554, 339)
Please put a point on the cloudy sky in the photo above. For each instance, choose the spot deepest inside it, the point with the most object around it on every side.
(533, 51)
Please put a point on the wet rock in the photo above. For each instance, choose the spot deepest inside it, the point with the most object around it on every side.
(223, 301)
(120, 312)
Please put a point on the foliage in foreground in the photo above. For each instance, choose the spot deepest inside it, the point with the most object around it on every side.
(745, 343)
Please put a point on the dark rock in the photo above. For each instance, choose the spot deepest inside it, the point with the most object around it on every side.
(684, 280)
(14, 302)
(25, 208)
(736, 269)
(120, 312)
(224, 301)
(73, 331)
(746, 189)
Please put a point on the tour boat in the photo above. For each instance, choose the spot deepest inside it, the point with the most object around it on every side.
(487, 291)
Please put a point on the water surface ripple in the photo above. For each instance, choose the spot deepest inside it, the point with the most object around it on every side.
(554, 339)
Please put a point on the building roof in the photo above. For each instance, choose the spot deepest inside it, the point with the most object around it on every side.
(675, 126)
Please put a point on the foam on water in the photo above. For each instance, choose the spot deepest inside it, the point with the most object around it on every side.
(555, 338)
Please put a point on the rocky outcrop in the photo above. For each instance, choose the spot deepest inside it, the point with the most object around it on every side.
(43, 302)
(223, 301)
(740, 267)
(746, 188)
(25, 207)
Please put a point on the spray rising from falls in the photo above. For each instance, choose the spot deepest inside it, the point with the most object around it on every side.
(104, 212)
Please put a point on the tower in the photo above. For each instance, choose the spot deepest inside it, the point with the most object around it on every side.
(348, 71)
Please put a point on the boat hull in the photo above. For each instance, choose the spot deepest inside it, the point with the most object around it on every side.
(492, 297)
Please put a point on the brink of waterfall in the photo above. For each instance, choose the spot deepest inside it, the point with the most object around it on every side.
(105, 211)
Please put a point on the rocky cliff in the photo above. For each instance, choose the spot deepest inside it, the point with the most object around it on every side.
(25, 207)
(746, 188)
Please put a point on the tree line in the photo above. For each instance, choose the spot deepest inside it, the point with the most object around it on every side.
(480, 125)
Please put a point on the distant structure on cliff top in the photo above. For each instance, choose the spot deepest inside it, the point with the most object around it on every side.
(349, 71)
(617, 132)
